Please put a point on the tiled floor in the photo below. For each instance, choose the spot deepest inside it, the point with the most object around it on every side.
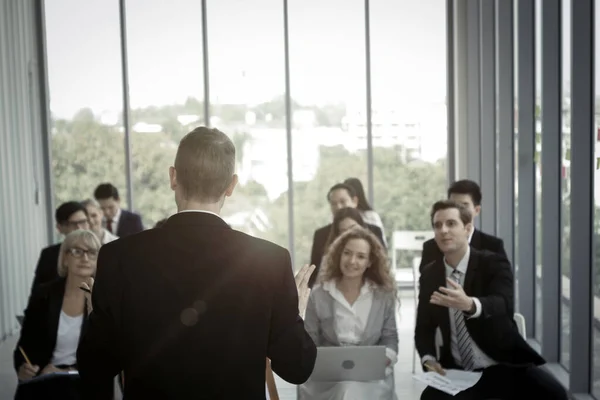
(406, 387)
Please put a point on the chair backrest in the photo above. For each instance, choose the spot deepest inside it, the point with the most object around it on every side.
(410, 240)
(520, 321)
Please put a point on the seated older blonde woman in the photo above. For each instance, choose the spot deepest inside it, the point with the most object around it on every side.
(95, 217)
(354, 304)
(57, 312)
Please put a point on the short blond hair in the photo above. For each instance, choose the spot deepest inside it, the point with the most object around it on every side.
(80, 236)
(205, 164)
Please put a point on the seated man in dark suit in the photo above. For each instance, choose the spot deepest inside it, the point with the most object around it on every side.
(468, 294)
(69, 216)
(117, 221)
(192, 310)
(467, 193)
(339, 196)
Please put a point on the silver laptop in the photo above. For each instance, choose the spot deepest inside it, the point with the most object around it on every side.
(350, 363)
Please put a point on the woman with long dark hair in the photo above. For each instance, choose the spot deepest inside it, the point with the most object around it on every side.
(369, 215)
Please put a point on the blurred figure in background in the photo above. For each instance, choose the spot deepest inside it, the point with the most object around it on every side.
(96, 215)
(369, 215)
(117, 220)
(69, 216)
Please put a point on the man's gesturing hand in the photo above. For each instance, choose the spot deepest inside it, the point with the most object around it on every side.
(302, 278)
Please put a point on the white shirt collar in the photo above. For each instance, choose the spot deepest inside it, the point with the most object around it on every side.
(462, 264)
(330, 286)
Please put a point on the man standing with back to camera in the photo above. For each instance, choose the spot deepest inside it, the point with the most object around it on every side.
(192, 310)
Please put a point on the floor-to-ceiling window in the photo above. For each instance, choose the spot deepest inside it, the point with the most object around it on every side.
(565, 265)
(166, 82)
(538, 171)
(85, 90)
(596, 256)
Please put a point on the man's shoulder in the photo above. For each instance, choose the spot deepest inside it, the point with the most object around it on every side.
(149, 237)
(487, 256)
(490, 239)
(126, 214)
(53, 249)
(254, 242)
(430, 245)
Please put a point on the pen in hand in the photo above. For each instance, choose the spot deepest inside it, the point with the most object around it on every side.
(25, 356)
(438, 370)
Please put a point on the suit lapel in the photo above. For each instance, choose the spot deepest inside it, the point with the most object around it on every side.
(55, 300)
(471, 271)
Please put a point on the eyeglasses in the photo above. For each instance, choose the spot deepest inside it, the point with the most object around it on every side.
(79, 253)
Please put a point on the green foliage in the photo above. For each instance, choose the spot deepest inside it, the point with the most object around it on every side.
(86, 152)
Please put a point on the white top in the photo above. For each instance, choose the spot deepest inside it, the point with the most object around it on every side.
(67, 339)
(351, 320)
(108, 237)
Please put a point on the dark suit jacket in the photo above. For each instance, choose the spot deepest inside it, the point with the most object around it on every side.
(318, 247)
(47, 266)
(191, 311)
(490, 279)
(129, 223)
(480, 241)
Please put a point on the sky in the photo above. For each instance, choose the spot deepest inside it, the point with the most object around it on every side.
(245, 52)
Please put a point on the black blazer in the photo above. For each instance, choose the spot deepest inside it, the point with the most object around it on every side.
(47, 266)
(40, 329)
(185, 308)
(318, 247)
(480, 241)
(129, 223)
(490, 279)
(40, 325)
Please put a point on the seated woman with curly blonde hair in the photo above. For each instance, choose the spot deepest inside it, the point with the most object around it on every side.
(354, 304)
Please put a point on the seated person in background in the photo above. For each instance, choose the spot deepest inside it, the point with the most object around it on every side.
(339, 196)
(57, 311)
(96, 214)
(469, 295)
(467, 193)
(354, 304)
(69, 216)
(343, 220)
(369, 215)
(117, 220)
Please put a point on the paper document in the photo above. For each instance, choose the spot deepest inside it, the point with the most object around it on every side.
(48, 376)
(453, 382)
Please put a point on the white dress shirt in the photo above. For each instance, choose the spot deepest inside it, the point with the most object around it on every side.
(114, 223)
